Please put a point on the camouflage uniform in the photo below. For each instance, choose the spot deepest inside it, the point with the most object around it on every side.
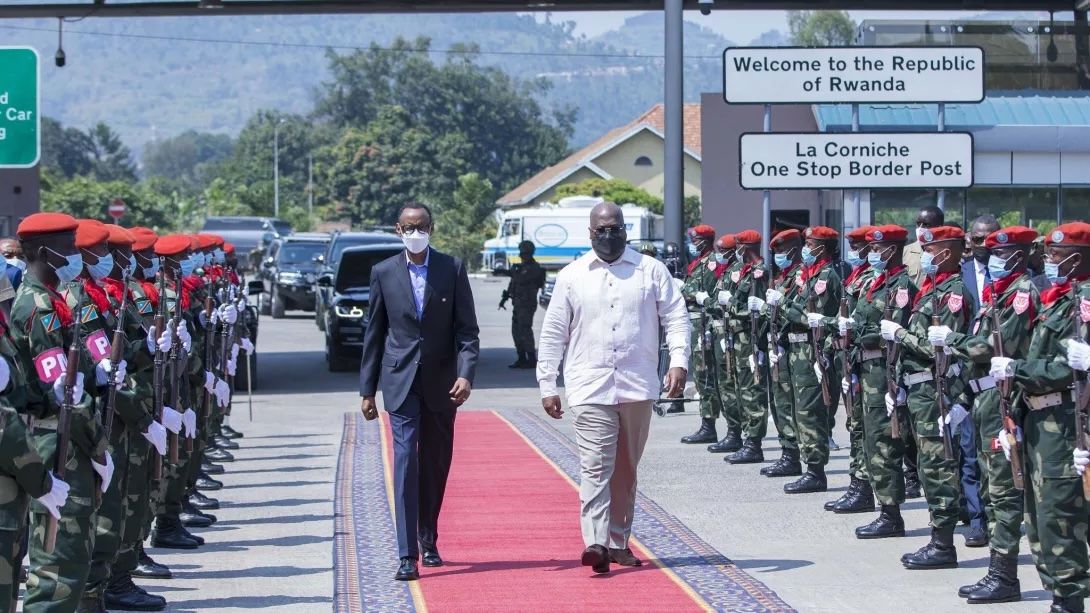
(57, 579)
(702, 279)
(783, 400)
(527, 279)
(854, 287)
(725, 356)
(752, 280)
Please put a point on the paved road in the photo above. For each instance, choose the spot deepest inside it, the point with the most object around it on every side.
(272, 547)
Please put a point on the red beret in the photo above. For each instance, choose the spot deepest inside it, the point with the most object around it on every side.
(702, 231)
(172, 244)
(217, 240)
(143, 238)
(46, 223)
(941, 234)
(887, 234)
(1074, 234)
(822, 233)
(204, 241)
(228, 248)
(726, 242)
(748, 237)
(90, 233)
(119, 235)
(1013, 235)
(859, 234)
(785, 236)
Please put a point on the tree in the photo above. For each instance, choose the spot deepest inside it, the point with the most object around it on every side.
(188, 158)
(111, 160)
(821, 28)
(65, 151)
(86, 197)
(468, 221)
(624, 192)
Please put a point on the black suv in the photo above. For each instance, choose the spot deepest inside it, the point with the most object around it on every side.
(327, 262)
(345, 316)
(289, 271)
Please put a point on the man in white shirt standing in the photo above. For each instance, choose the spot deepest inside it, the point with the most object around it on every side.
(603, 322)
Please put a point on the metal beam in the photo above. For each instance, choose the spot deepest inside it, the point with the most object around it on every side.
(674, 139)
(175, 8)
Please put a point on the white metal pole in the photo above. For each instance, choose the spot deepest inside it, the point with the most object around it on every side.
(766, 196)
(855, 195)
(310, 184)
(942, 128)
(276, 170)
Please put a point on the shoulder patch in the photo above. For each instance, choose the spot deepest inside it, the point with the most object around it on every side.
(1084, 309)
(50, 364)
(50, 322)
(1020, 302)
(900, 298)
(711, 264)
(98, 346)
(143, 306)
(954, 302)
(799, 282)
(819, 286)
(758, 273)
(736, 276)
(89, 313)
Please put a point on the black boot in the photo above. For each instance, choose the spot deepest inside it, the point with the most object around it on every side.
(225, 443)
(168, 533)
(520, 362)
(123, 595)
(813, 480)
(750, 453)
(192, 517)
(706, 433)
(787, 466)
(209, 468)
(888, 524)
(149, 568)
(208, 484)
(218, 455)
(196, 538)
(939, 553)
(1067, 605)
(848, 493)
(230, 432)
(728, 444)
(1000, 584)
(202, 502)
(862, 501)
(90, 604)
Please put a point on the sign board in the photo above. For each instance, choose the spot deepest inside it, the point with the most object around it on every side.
(20, 98)
(116, 208)
(813, 75)
(859, 160)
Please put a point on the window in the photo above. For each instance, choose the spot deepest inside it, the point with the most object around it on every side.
(901, 206)
(643, 160)
(512, 227)
(1075, 204)
(1034, 207)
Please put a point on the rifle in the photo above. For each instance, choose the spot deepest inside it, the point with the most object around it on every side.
(753, 325)
(773, 316)
(1009, 429)
(116, 347)
(159, 324)
(939, 372)
(846, 355)
(175, 346)
(64, 417)
(893, 350)
(209, 342)
(819, 355)
(1082, 399)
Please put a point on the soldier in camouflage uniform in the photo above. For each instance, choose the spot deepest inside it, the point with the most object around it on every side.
(527, 279)
(944, 296)
(807, 315)
(1018, 303)
(749, 363)
(889, 294)
(1056, 510)
(697, 289)
(859, 497)
(42, 327)
(726, 258)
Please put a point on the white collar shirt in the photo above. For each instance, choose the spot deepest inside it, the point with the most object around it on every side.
(603, 324)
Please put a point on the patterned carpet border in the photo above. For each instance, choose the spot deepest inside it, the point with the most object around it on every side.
(364, 537)
(709, 573)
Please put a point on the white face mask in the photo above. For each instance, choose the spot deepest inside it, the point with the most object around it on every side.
(416, 241)
(16, 262)
(919, 233)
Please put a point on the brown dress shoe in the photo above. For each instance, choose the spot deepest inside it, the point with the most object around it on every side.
(596, 557)
(624, 557)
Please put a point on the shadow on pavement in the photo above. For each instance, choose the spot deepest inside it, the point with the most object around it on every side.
(286, 469)
(260, 571)
(277, 484)
(283, 519)
(295, 456)
(289, 445)
(247, 602)
(283, 541)
(771, 566)
(283, 502)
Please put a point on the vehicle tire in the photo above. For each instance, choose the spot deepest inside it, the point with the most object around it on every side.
(335, 362)
(319, 318)
(262, 304)
(276, 305)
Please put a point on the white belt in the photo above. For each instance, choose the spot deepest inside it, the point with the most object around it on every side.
(953, 370)
(1038, 403)
(46, 424)
(870, 354)
(798, 337)
(920, 377)
(982, 384)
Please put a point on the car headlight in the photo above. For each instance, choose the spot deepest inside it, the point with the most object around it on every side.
(352, 312)
(288, 277)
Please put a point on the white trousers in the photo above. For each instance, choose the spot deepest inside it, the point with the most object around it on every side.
(611, 439)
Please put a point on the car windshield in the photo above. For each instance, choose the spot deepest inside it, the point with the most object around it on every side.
(213, 224)
(300, 253)
(282, 228)
(345, 242)
(355, 270)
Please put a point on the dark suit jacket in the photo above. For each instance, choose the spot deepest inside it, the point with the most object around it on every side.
(968, 275)
(443, 344)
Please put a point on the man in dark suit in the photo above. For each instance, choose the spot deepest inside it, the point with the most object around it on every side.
(420, 349)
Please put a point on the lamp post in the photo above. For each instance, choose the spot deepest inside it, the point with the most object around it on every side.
(276, 168)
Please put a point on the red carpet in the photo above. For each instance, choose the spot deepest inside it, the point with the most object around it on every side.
(509, 534)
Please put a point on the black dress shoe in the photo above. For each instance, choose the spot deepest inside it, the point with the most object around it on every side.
(123, 595)
(196, 520)
(705, 434)
(168, 533)
(976, 536)
(431, 559)
(219, 455)
(195, 537)
(860, 501)
(407, 571)
(750, 453)
(225, 443)
(230, 432)
(888, 524)
(148, 568)
(728, 444)
(939, 553)
(209, 468)
(624, 557)
(202, 502)
(787, 466)
(813, 480)
(596, 557)
(208, 484)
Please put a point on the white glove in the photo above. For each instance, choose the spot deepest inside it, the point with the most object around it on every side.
(161, 342)
(755, 304)
(56, 497)
(105, 370)
(1001, 369)
(773, 297)
(172, 420)
(889, 329)
(77, 389)
(937, 335)
(1005, 442)
(774, 357)
(845, 325)
(5, 374)
(1078, 354)
(229, 313)
(157, 436)
(223, 393)
(892, 403)
(815, 320)
(242, 302)
(232, 367)
(1081, 459)
(209, 381)
(189, 420)
(753, 362)
(248, 345)
(954, 417)
(844, 383)
(105, 471)
(183, 335)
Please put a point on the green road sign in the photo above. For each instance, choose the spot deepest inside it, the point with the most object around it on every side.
(20, 97)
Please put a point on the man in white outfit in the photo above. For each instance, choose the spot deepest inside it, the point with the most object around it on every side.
(603, 322)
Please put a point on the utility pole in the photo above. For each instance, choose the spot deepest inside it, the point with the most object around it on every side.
(674, 192)
(276, 168)
(310, 184)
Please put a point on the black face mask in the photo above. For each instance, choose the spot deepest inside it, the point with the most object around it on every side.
(981, 254)
(608, 248)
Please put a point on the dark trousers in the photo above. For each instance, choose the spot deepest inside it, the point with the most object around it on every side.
(423, 448)
(971, 502)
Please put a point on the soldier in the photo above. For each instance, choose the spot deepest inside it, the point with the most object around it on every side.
(727, 263)
(527, 279)
(858, 498)
(1055, 513)
(1016, 297)
(889, 295)
(943, 296)
(42, 327)
(699, 283)
(751, 280)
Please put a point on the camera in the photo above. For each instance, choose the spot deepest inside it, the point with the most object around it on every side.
(59, 58)
(705, 6)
